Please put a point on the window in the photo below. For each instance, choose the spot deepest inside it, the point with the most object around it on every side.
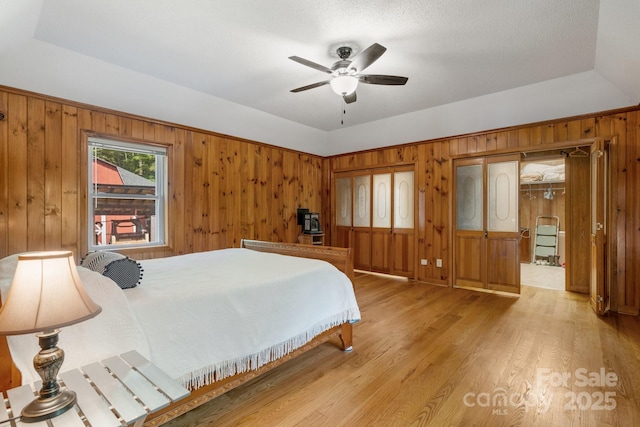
(127, 194)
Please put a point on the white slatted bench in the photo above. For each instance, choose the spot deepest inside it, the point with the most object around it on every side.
(120, 390)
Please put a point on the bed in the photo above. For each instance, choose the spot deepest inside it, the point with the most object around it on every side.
(244, 311)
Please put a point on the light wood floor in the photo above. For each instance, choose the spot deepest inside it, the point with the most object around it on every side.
(427, 355)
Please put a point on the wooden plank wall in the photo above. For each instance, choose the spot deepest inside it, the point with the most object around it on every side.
(533, 204)
(434, 166)
(221, 189)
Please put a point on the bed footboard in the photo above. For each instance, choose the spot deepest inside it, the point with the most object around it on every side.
(346, 336)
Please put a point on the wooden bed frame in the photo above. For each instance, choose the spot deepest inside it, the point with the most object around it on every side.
(342, 258)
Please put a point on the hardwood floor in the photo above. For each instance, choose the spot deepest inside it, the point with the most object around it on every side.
(427, 355)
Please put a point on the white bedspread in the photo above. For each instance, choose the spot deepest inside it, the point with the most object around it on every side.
(202, 315)
(223, 312)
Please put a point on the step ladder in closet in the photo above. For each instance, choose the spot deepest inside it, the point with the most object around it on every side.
(546, 239)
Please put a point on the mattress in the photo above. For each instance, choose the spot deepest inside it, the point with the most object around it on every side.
(205, 316)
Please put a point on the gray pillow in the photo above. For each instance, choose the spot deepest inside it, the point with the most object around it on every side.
(127, 273)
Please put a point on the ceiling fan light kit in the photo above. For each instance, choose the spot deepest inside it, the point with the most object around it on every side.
(344, 85)
(346, 73)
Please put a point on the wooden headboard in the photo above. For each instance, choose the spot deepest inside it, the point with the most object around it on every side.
(341, 258)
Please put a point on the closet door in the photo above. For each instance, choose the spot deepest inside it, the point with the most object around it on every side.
(343, 211)
(381, 230)
(403, 257)
(362, 221)
(374, 215)
(599, 292)
(486, 235)
(503, 254)
(470, 243)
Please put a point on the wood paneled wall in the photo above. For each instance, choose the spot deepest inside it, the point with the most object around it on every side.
(221, 189)
(533, 204)
(434, 166)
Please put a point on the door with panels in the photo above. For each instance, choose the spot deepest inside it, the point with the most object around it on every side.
(403, 256)
(486, 234)
(374, 214)
(361, 229)
(599, 278)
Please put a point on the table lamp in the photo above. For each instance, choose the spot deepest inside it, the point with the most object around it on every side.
(46, 294)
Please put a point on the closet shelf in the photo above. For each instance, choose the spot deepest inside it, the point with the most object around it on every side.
(529, 183)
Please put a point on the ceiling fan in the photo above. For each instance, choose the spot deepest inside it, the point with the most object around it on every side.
(346, 72)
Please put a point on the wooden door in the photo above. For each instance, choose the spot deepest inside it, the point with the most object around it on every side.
(403, 255)
(577, 222)
(381, 230)
(352, 217)
(503, 229)
(374, 214)
(598, 287)
(486, 235)
(343, 215)
(362, 221)
(470, 240)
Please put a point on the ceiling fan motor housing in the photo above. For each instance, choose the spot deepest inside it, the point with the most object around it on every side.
(342, 68)
(344, 52)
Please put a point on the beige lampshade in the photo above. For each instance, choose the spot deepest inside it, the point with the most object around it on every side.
(46, 293)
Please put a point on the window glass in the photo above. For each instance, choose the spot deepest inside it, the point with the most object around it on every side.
(126, 194)
(343, 202)
(403, 197)
(469, 210)
(362, 201)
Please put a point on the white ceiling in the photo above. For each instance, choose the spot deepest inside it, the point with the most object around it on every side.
(223, 65)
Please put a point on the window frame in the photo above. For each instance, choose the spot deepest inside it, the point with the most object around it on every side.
(161, 199)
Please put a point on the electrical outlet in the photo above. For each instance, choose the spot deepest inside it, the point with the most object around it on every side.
(423, 261)
(438, 262)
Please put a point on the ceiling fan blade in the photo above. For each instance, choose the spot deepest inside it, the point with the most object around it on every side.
(311, 64)
(381, 79)
(367, 57)
(311, 86)
(350, 98)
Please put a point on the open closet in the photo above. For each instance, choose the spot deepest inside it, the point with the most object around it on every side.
(554, 220)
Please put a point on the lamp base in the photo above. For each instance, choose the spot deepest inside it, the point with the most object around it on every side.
(43, 409)
(51, 400)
